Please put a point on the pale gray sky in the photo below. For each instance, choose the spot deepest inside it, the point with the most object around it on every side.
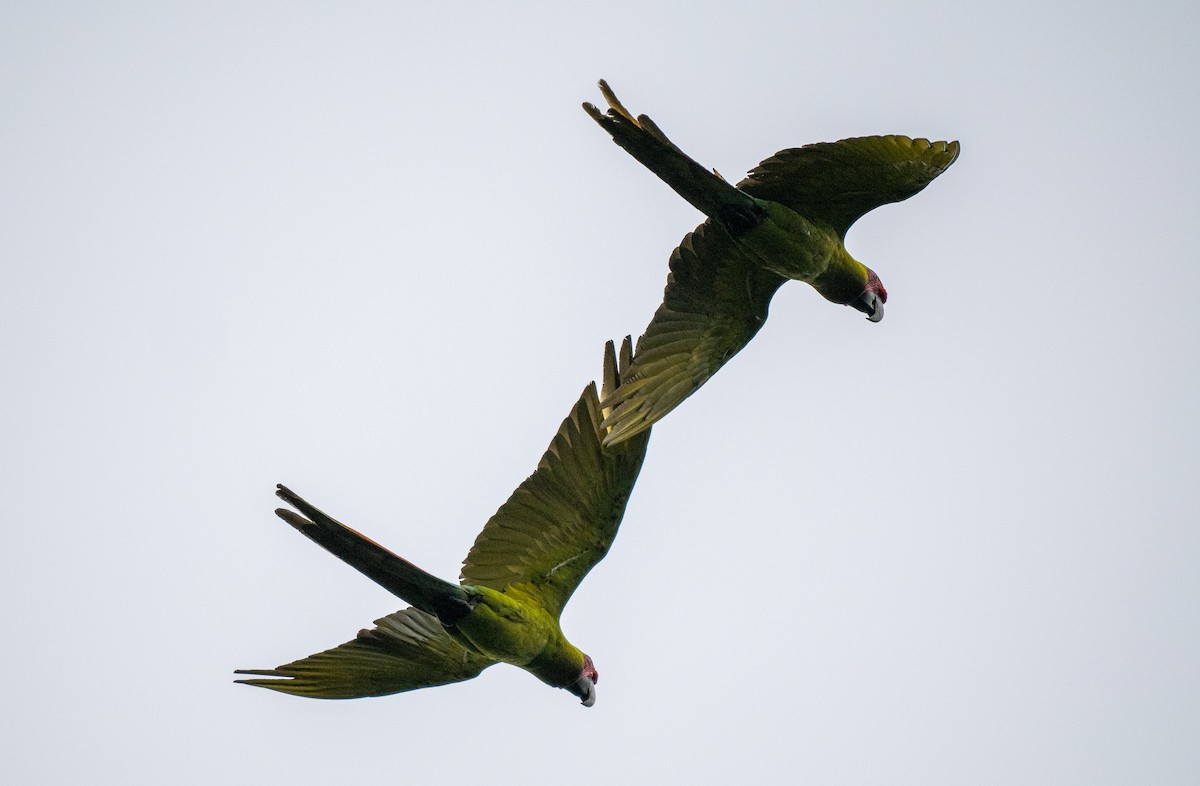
(375, 252)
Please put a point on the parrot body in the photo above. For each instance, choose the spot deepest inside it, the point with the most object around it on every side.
(516, 579)
(512, 627)
(785, 221)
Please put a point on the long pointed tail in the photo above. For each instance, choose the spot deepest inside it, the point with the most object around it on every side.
(707, 191)
(448, 602)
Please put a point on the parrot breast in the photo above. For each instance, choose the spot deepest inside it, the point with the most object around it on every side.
(790, 245)
(506, 629)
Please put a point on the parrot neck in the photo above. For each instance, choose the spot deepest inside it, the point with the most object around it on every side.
(560, 664)
(843, 280)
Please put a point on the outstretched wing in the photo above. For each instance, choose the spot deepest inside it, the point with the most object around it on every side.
(838, 182)
(404, 651)
(715, 301)
(561, 521)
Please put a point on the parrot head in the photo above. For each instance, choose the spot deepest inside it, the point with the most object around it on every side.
(585, 686)
(871, 301)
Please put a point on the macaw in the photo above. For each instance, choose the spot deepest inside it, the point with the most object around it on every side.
(785, 220)
(516, 579)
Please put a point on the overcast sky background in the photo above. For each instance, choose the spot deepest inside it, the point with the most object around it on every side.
(374, 252)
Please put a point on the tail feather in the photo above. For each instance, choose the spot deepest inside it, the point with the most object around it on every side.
(448, 602)
(706, 190)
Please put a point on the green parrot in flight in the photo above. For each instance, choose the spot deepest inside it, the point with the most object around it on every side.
(785, 220)
(516, 579)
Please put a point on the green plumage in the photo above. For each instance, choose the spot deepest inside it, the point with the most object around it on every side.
(516, 579)
(785, 220)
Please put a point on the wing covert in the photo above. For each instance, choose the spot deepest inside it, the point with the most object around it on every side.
(838, 182)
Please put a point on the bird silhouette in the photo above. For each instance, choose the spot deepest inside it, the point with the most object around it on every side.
(786, 220)
(516, 579)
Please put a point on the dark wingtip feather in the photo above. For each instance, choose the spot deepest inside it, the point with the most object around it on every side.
(611, 374)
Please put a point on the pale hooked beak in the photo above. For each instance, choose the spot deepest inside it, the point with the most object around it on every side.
(870, 304)
(585, 689)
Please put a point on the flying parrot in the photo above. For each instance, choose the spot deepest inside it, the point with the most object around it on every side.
(785, 220)
(516, 579)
